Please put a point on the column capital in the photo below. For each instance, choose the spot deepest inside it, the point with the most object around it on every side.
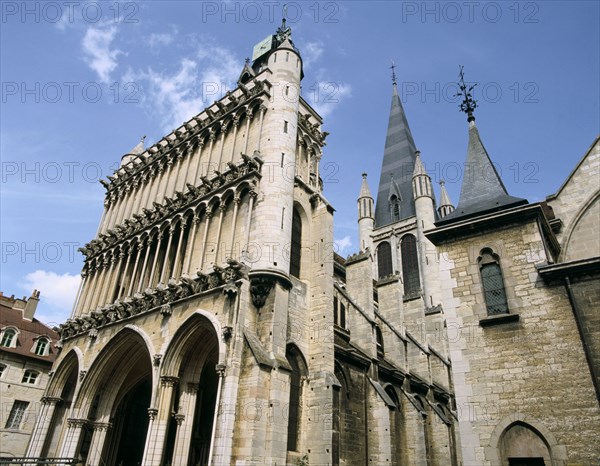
(102, 426)
(51, 400)
(193, 387)
(74, 422)
(220, 369)
(179, 418)
(152, 412)
(237, 199)
(169, 380)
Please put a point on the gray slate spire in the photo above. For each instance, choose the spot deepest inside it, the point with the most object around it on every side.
(399, 160)
(482, 189)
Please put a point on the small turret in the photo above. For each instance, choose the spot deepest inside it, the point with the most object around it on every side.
(446, 207)
(366, 215)
(421, 180)
(134, 153)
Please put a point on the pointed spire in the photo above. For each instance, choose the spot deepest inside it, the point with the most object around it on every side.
(398, 157)
(446, 207)
(419, 167)
(482, 189)
(364, 188)
(139, 147)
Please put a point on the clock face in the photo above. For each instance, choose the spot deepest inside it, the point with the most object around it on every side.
(262, 47)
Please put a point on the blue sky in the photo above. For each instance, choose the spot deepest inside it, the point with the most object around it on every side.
(83, 81)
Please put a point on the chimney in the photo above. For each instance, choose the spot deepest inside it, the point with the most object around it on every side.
(31, 305)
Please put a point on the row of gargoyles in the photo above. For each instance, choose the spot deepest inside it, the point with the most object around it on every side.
(154, 297)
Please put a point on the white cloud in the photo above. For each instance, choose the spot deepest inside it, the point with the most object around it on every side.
(199, 80)
(326, 94)
(156, 40)
(57, 294)
(97, 51)
(311, 52)
(342, 245)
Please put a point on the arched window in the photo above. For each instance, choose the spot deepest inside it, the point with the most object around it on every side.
(410, 265)
(9, 338)
(379, 337)
(384, 260)
(339, 312)
(296, 246)
(521, 444)
(30, 377)
(492, 282)
(299, 371)
(395, 208)
(41, 347)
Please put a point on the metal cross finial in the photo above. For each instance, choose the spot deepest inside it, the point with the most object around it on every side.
(143, 138)
(393, 67)
(468, 105)
(247, 60)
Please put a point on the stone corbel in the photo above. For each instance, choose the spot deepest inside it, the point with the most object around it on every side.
(260, 287)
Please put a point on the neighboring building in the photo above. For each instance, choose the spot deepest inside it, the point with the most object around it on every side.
(26, 356)
(216, 325)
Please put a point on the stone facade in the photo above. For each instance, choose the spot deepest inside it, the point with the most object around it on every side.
(25, 361)
(216, 325)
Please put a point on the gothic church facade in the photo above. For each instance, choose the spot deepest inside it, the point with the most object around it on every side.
(216, 325)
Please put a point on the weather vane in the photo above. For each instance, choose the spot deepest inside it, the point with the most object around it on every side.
(468, 105)
(393, 67)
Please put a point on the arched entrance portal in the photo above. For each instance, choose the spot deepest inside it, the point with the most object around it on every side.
(113, 403)
(192, 360)
(521, 445)
(131, 424)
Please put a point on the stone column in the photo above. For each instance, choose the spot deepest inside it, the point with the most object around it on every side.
(176, 267)
(124, 274)
(42, 425)
(159, 420)
(97, 444)
(223, 134)
(104, 297)
(248, 121)
(123, 205)
(179, 162)
(140, 285)
(104, 213)
(236, 206)
(131, 200)
(166, 180)
(188, 159)
(78, 296)
(72, 437)
(194, 180)
(99, 285)
(190, 245)
(89, 290)
(138, 202)
(183, 439)
(221, 373)
(236, 123)
(263, 110)
(149, 180)
(211, 144)
(208, 215)
(252, 195)
(153, 270)
(222, 209)
(163, 274)
(109, 213)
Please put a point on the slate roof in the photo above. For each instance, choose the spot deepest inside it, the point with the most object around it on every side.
(482, 189)
(28, 332)
(399, 160)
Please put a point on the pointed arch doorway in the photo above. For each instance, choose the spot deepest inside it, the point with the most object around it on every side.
(131, 424)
